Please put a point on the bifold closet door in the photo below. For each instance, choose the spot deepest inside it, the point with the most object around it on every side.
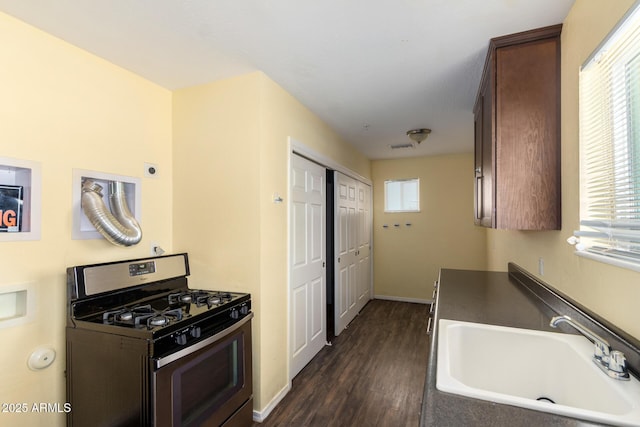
(353, 249)
(363, 254)
(307, 254)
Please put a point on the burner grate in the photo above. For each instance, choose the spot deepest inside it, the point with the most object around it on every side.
(200, 298)
(158, 318)
(141, 316)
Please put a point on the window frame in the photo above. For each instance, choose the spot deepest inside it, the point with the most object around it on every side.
(610, 148)
(405, 205)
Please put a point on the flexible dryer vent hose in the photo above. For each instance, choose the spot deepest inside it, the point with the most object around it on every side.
(118, 226)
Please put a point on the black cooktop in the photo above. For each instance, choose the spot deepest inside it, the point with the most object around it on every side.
(158, 315)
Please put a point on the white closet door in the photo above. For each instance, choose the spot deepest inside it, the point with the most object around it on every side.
(363, 253)
(307, 270)
(346, 288)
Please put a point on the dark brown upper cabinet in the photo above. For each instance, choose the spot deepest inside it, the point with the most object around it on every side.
(517, 133)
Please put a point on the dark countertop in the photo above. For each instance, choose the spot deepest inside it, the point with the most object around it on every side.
(492, 298)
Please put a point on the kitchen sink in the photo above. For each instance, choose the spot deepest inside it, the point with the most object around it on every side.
(545, 371)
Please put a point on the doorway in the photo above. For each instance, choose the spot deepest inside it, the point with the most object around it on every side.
(314, 236)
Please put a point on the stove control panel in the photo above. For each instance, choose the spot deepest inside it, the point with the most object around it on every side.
(181, 339)
(218, 319)
(192, 333)
(187, 335)
(239, 311)
(141, 268)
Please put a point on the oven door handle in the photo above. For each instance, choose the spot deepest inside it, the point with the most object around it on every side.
(163, 361)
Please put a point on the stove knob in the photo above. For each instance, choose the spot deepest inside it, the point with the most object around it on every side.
(244, 310)
(195, 332)
(234, 313)
(181, 339)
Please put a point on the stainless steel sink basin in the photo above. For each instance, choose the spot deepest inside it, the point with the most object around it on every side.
(545, 371)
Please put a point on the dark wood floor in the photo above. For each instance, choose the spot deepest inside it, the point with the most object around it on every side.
(373, 375)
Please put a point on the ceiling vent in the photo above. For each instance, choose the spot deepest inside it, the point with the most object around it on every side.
(401, 146)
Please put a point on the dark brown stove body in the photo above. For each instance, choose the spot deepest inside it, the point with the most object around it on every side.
(145, 350)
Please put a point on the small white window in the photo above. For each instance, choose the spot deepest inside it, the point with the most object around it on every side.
(610, 148)
(402, 195)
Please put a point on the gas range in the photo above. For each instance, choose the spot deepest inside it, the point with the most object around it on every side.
(150, 299)
(144, 349)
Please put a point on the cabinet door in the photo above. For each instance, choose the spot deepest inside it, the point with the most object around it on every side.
(484, 212)
(517, 133)
(477, 126)
(527, 138)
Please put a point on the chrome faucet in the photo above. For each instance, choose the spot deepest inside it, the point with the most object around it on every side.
(611, 362)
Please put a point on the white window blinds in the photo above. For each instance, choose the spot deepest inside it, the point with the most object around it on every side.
(402, 195)
(610, 146)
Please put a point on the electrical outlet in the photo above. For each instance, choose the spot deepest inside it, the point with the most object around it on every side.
(541, 266)
(156, 250)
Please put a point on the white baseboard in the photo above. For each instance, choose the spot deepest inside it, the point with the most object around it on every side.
(404, 299)
(260, 416)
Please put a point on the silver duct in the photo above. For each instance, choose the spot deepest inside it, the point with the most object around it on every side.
(118, 226)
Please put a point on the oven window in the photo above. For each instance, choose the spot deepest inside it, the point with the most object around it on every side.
(205, 383)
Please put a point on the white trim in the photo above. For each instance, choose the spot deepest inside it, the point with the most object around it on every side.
(304, 151)
(609, 260)
(403, 299)
(288, 302)
(260, 416)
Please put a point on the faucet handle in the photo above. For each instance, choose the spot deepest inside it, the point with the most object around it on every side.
(617, 362)
(602, 351)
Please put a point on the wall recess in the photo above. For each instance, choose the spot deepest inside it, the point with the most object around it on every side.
(20, 187)
(17, 304)
(82, 228)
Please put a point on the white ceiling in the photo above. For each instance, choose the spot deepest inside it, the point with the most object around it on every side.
(370, 69)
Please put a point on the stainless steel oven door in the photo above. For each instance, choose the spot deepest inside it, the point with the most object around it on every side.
(207, 383)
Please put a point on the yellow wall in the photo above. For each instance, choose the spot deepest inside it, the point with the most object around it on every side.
(66, 109)
(610, 291)
(231, 155)
(282, 118)
(442, 234)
